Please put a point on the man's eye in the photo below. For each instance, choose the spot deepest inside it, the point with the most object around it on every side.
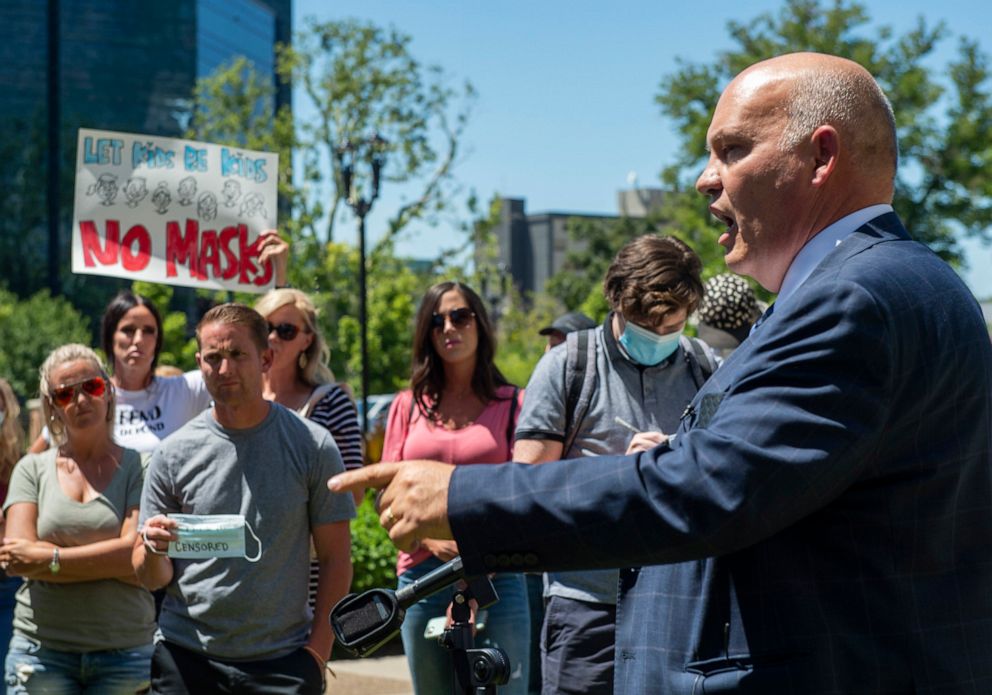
(731, 151)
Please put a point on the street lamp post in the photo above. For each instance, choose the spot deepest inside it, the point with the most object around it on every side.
(351, 152)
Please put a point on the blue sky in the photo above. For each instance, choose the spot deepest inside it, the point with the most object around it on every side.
(566, 90)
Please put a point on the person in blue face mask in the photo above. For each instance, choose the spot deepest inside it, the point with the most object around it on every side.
(637, 372)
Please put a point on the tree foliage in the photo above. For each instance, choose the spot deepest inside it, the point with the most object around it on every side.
(29, 330)
(944, 125)
(362, 79)
(373, 555)
(393, 292)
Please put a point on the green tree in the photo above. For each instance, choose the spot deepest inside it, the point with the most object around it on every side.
(233, 106)
(593, 243)
(363, 79)
(944, 187)
(394, 291)
(519, 346)
(30, 329)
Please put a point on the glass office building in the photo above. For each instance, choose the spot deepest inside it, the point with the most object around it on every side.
(121, 65)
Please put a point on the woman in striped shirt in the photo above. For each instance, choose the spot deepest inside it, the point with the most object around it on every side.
(299, 378)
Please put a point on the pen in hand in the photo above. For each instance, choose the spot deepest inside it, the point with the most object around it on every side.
(623, 423)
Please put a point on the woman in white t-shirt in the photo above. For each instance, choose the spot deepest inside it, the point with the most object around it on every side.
(149, 407)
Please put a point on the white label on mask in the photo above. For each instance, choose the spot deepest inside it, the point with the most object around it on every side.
(203, 536)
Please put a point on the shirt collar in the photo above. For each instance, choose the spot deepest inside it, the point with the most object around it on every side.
(817, 248)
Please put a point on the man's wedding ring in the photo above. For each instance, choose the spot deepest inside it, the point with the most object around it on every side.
(390, 519)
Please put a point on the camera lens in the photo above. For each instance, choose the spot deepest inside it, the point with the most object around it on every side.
(489, 667)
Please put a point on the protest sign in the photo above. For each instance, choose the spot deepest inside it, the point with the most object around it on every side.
(172, 211)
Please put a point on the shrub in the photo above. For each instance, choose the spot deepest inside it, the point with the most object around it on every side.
(373, 555)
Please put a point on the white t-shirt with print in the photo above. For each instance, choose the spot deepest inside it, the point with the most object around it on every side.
(146, 417)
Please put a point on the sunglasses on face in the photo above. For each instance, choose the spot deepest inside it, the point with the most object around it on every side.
(459, 318)
(285, 331)
(66, 393)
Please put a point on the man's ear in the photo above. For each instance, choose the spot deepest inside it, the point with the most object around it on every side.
(199, 360)
(826, 150)
(267, 355)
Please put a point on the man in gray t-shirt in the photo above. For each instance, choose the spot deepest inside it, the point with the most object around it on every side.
(645, 373)
(230, 620)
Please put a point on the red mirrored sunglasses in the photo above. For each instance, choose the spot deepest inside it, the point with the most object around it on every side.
(65, 394)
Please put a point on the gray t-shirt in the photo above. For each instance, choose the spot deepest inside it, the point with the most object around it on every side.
(274, 474)
(80, 616)
(650, 398)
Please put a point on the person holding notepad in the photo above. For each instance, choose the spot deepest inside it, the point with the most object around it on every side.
(638, 370)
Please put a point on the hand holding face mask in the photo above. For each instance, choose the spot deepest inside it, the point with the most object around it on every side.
(202, 536)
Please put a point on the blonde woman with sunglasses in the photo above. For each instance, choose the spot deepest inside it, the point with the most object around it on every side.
(300, 380)
(299, 377)
(82, 622)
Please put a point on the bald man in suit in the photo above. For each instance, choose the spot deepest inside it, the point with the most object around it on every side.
(821, 521)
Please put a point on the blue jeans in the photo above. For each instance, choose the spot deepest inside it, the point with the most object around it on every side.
(507, 626)
(32, 668)
(8, 588)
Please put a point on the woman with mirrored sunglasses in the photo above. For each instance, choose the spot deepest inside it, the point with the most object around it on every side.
(82, 622)
(461, 410)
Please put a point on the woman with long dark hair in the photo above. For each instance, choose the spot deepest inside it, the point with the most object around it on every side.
(461, 410)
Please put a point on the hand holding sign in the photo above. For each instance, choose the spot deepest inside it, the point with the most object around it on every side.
(273, 248)
(175, 211)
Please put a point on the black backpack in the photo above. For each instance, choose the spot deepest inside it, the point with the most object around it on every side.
(580, 382)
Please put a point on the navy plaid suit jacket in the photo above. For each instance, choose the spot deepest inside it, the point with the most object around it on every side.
(822, 524)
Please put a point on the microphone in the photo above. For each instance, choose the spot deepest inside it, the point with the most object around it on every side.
(364, 622)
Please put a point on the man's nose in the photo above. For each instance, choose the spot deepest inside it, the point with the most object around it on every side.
(708, 182)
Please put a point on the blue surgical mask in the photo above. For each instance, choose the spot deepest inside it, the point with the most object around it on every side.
(203, 536)
(647, 347)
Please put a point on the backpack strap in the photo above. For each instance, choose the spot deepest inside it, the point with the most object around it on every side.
(315, 396)
(580, 381)
(511, 423)
(701, 363)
